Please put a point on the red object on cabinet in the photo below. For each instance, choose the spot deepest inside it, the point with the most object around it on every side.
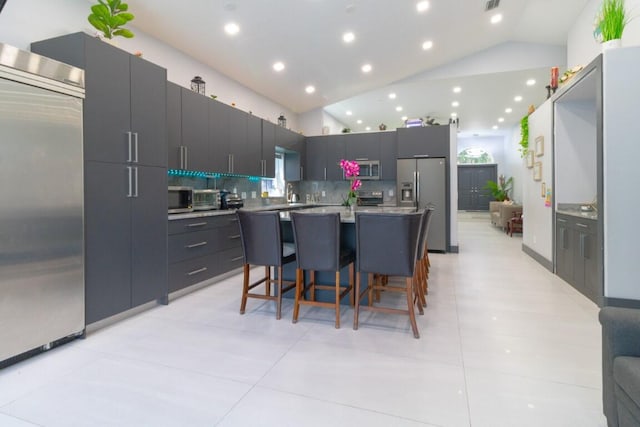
(554, 77)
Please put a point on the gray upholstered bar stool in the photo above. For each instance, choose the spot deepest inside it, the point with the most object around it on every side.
(317, 241)
(387, 244)
(422, 267)
(262, 245)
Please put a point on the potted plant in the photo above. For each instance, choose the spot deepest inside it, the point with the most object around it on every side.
(610, 22)
(499, 190)
(109, 17)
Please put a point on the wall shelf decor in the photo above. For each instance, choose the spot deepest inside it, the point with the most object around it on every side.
(540, 146)
(529, 159)
(537, 171)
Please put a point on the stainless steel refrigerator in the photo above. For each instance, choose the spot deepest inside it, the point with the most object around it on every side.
(422, 182)
(41, 203)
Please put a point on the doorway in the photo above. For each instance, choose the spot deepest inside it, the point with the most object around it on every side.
(471, 180)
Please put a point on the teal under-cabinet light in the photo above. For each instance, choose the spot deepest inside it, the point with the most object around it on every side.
(207, 175)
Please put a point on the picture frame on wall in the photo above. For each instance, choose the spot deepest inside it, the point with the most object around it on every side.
(537, 171)
(529, 159)
(540, 146)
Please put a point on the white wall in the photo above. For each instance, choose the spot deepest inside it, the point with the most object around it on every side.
(512, 165)
(335, 125)
(538, 219)
(19, 26)
(582, 47)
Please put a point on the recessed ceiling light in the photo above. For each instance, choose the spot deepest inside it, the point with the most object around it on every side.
(508, 110)
(422, 6)
(455, 104)
(518, 98)
(454, 114)
(457, 89)
(349, 113)
(232, 28)
(398, 108)
(500, 119)
(494, 127)
(392, 95)
(309, 89)
(366, 68)
(278, 66)
(496, 18)
(531, 82)
(359, 122)
(368, 128)
(348, 37)
(427, 45)
(404, 118)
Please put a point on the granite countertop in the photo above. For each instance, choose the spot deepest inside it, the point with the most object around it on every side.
(201, 214)
(347, 216)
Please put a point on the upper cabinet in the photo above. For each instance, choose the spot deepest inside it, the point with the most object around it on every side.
(195, 131)
(388, 155)
(429, 141)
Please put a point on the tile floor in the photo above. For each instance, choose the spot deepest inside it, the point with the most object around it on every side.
(504, 343)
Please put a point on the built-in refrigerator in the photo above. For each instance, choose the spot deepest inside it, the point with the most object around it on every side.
(422, 183)
(41, 203)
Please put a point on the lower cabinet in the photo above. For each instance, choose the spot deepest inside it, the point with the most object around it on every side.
(577, 256)
(125, 237)
(202, 248)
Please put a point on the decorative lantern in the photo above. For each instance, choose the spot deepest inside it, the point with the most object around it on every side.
(282, 121)
(197, 85)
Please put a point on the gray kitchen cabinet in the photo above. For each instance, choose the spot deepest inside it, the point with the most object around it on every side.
(125, 159)
(202, 248)
(577, 254)
(174, 126)
(268, 149)
(388, 155)
(316, 159)
(336, 151)
(195, 131)
(362, 146)
(564, 247)
(432, 141)
(294, 147)
(219, 115)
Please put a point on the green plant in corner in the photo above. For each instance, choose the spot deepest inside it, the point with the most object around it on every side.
(524, 133)
(499, 190)
(109, 16)
(610, 20)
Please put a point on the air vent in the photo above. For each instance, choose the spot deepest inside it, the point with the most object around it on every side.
(491, 4)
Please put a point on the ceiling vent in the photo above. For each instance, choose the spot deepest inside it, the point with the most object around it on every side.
(491, 4)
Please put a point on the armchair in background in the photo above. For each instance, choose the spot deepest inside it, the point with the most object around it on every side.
(621, 366)
(501, 213)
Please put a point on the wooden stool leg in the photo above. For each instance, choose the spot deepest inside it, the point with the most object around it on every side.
(312, 282)
(299, 290)
(352, 275)
(267, 275)
(412, 314)
(357, 302)
(245, 289)
(371, 281)
(279, 299)
(338, 299)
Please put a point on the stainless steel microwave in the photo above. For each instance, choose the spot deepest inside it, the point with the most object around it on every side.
(180, 199)
(369, 169)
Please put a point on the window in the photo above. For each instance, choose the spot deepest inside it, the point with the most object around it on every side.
(474, 155)
(275, 186)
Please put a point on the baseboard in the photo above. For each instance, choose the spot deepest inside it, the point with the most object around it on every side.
(454, 249)
(620, 302)
(539, 258)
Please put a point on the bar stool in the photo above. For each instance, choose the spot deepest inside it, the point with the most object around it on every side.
(317, 243)
(262, 245)
(387, 244)
(422, 268)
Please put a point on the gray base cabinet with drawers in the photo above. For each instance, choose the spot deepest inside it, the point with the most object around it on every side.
(202, 248)
(125, 173)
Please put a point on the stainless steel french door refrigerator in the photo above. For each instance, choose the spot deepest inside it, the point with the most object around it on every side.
(422, 182)
(41, 203)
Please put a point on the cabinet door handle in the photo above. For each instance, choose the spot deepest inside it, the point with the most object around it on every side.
(129, 140)
(195, 245)
(235, 236)
(238, 258)
(582, 225)
(233, 219)
(583, 240)
(130, 172)
(325, 173)
(135, 173)
(186, 157)
(562, 220)
(200, 270)
(362, 158)
(182, 157)
(229, 164)
(196, 224)
(135, 141)
(563, 236)
(301, 173)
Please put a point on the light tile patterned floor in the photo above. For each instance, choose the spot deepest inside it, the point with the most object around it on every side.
(504, 343)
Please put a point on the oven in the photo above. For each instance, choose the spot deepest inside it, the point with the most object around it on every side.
(370, 198)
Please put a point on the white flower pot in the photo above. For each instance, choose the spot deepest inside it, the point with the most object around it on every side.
(611, 44)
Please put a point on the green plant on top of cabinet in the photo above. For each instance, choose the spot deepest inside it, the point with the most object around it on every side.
(125, 173)
(108, 17)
